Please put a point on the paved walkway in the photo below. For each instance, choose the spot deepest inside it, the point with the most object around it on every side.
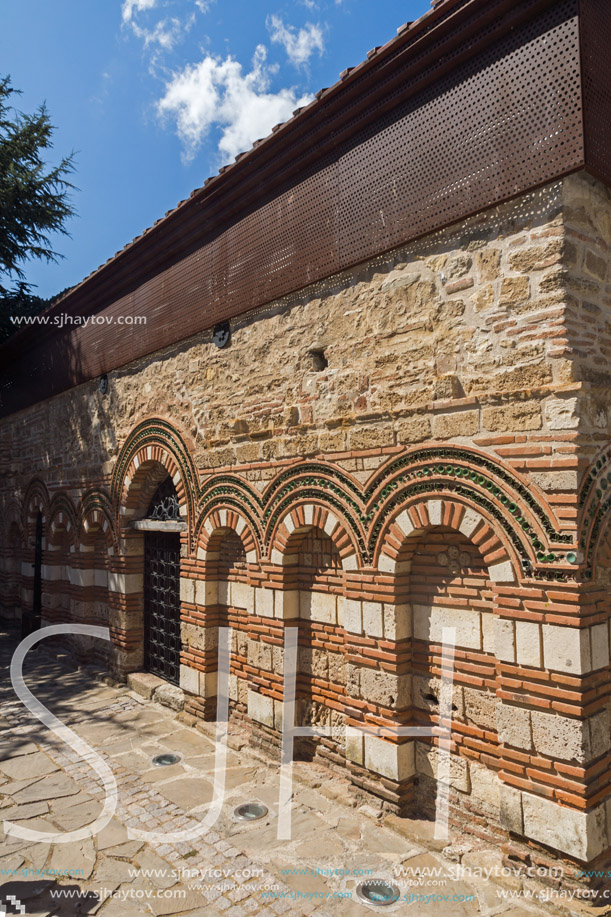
(46, 787)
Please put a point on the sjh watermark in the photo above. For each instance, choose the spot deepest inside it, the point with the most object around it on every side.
(443, 732)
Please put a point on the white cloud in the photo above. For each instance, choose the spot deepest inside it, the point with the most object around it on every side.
(127, 10)
(299, 45)
(203, 5)
(217, 92)
(166, 34)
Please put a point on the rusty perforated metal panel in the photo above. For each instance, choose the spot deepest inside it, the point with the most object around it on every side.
(460, 120)
(595, 20)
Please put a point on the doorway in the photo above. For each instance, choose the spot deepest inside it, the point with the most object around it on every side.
(162, 605)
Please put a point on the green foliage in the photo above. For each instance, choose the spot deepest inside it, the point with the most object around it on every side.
(15, 304)
(34, 203)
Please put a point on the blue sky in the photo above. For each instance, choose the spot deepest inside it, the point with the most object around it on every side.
(155, 95)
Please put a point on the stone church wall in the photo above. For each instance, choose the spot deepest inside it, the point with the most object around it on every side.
(416, 444)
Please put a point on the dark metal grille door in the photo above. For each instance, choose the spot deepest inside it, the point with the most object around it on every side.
(162, 605)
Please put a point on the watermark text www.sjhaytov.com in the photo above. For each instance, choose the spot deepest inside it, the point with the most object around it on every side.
(63, 319)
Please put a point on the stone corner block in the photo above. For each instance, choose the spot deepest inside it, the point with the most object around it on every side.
(511, 815)
(189, 679)
(566, 649)
(170, 696)
(393, 761)
(144, 684)
(579, 834)
(287, 604)
(355, 745)
(261, 708)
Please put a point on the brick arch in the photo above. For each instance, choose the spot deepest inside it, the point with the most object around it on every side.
(62, 518)
(95, 515)
(424, 514)
(147, 469)
(36, 499)
(13, 517)
(155, 448)
(312, 515)
(213, 527)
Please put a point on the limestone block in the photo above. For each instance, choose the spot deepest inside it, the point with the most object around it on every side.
(187, 590)
(511, 816)
(566, 649)
(514, 726)
(489, 264)
(561, 737)
(427, 762)
(353, 680)
(457, 424)
(470, 522)
(480, 707)
(600, 733)
(189, 679)
(405, 523)
(393, 761)
(170, 696)
(260, 655)
(286, 604)
(579, 834)
(208, 684)
(513, 418)
(514, 290)
(488, 632)
(278, 659)
(504, 640)
(224, 592)
(413, 430)
(555, 480)
(243, 596)
(355, 745)
(261, 708)
(130, 583)
(397, 622)
(528, 643)
(100, 578)
(599, 636)
(82, 578)
(264, 602)
(426, 692)
(144, 684)
(386, 689)
(353, 616)
(429, 621)
(279, 715)
(198, 637)
(337, 668)
(372, 619)
(206, 592)
(434, 510)
(562, 414)
(233, 687)
(318, 606)
(501, 573)
(485, 786)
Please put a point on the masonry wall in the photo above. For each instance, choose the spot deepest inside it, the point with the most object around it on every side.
(421, 443)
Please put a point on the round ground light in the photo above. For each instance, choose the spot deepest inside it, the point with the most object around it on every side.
(250, 811)
(378, 892)
(166, 759)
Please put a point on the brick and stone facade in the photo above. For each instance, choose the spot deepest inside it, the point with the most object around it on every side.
(447, 467)
(420, 441)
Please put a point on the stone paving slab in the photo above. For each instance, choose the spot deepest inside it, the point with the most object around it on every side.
(257, 873)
